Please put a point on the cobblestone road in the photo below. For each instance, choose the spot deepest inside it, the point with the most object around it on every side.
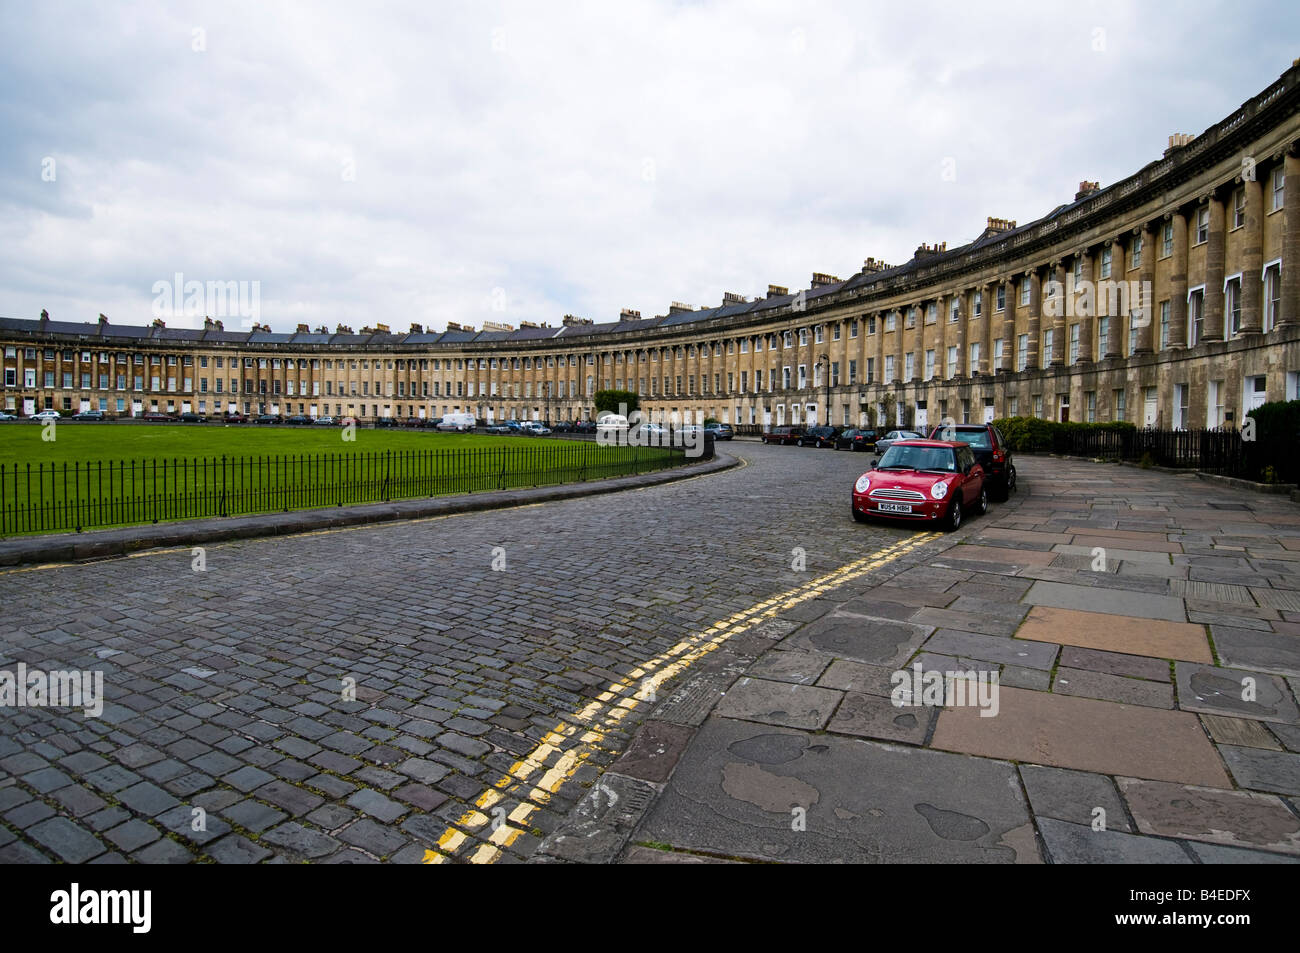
(224, 687)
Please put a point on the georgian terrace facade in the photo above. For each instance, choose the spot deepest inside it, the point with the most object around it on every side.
(1170, 298)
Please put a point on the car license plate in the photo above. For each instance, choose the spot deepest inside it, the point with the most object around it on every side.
(895, 507)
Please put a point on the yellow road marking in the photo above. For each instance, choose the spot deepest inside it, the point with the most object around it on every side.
(620, 698)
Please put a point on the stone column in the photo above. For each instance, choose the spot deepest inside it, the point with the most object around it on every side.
(1087, 319)
(1213, 326)
(1116, 324)
(1252, 259)
(1035, 328)
(963, 334)
(900, 326)
(880, 348)
(1147, 294)
(1009, 326)
(1058, 321)
(990, 294)
(1177, 284)
(1289, 312)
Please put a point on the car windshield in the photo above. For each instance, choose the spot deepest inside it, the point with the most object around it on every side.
(979, 439)
(919, 458)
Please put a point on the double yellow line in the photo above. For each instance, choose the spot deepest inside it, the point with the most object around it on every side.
(577, 736)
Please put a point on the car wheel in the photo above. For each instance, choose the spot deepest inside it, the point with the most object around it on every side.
(953, 520)
(983, 506)
(1011, 480)
(859, 517)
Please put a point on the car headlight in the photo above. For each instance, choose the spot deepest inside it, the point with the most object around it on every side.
(863, 484)
(939, 491)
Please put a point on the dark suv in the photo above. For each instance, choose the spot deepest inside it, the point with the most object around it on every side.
(820, 437)
(991, 451)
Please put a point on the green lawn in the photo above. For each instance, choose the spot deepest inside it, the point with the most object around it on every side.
(98, 475)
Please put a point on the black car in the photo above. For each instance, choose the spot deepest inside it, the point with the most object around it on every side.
(819, 437)
(192, 418)
(269, 419)
(991, 451)
(90, 415)
(854, 439)
(386, 422)
(298, 420)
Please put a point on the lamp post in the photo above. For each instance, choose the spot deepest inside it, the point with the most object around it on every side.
(824, 360)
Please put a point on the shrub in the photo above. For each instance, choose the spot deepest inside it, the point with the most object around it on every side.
(1028, 434)
(1277, 420)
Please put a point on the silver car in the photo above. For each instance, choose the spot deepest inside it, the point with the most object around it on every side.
(887, 441)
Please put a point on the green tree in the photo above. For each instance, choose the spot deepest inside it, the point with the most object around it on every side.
(617, 401)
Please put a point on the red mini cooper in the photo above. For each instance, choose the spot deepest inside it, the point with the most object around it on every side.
(923, 481)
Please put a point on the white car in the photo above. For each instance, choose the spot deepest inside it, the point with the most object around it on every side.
(5, 416)
(48, 415)
(534, 428)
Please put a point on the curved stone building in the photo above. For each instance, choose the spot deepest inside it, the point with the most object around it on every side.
(1170, 298)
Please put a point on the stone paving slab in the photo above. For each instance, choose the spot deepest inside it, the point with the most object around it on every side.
(1112, 602)
(1253, 649)
(860, 638)
(865, 802)
(1086, 734)
(1259, 769)
(1080, 844)
(1223, 691)
(1115, 688)
(1008, 557)
(1231, 818)
(1074, 796)
(1239, 731)
(1118, 634)
(873, 716)
(779, 703)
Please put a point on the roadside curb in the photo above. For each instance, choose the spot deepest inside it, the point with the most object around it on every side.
(101, 544)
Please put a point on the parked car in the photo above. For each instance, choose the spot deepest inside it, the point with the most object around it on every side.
(45, 415)
(499, 429)
(386, 422)
(158, 417)
(324, 421)
(819, 437)
(192, 418)
(534, 428)
(783, 435)
(269, 419)
(235, 417)
(887, 441)
(853, 439)
(299, 420)
(720, 431)
(991, 451)
(585, 426)
(94, 416)
(922, 481)
(5, 416)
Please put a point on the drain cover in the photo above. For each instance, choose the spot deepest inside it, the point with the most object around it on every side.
(1230, 506)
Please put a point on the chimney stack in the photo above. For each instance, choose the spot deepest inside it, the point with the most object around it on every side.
(777, 291)
(627, 314)
(730, 298)
(678, 308)
(1086, 189)
(572, 321)
(819, 279)
(1178, 140)
(873, 265)
(303, 329)
(1001, 224)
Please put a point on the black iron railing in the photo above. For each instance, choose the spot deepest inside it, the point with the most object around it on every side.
(61, 497)
(1214, 451)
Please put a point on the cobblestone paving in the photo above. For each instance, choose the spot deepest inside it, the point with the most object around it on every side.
(224, 687)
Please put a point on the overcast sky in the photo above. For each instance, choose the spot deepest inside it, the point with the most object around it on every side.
(498, 161)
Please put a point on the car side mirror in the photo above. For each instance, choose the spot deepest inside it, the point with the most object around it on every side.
(871, 465)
